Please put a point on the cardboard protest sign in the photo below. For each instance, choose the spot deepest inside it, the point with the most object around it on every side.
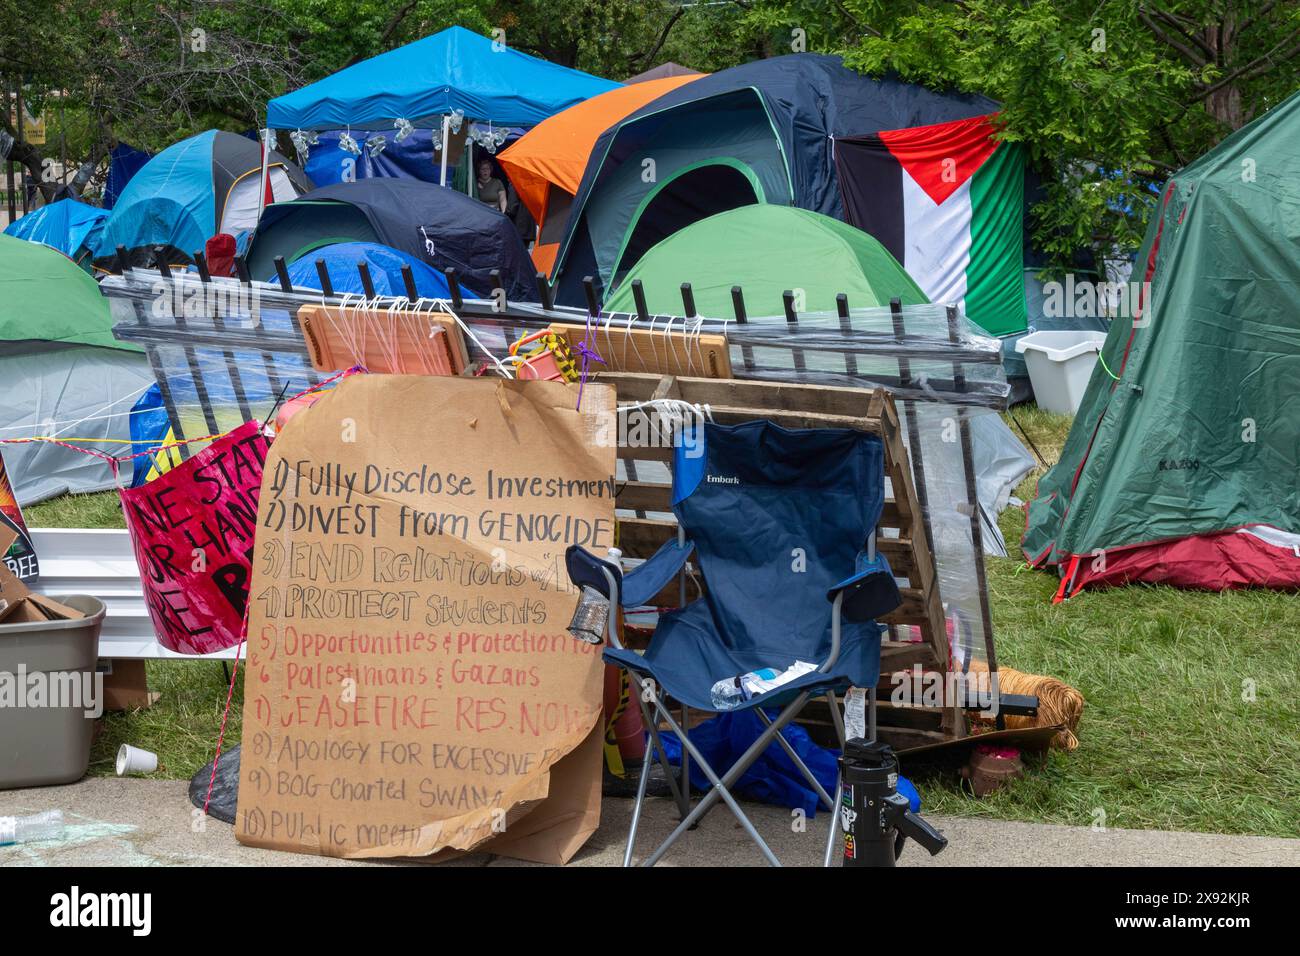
(192, 530)
(411, 686)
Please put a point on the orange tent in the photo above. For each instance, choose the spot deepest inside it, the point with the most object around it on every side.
(547, 162)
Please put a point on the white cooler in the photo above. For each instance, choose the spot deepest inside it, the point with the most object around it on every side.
(1060, 364)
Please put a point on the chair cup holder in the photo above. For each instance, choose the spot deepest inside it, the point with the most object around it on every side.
(874, 596)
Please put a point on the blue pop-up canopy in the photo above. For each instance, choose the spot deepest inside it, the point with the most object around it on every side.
(455, 69)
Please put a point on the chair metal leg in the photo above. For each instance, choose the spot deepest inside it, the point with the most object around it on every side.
(684, 807)
(636, 808)
(720, 785)
(835, 822)
(719, 791)
(838, 720)
(798, 762)
(653, 726)
(871, 715)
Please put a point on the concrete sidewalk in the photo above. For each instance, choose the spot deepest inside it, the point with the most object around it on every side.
(135, 822)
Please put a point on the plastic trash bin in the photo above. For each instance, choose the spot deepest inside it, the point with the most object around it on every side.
(41, 745)
(1060, 364)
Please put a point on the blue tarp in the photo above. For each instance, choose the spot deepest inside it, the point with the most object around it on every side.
(773, 777)
(149, 428)
(412, 158)
(455, 69)
(385, 267)
(66, 225)
(124, 162)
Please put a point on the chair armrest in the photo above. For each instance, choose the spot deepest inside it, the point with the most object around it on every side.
(871, 591)
(637, 586)
(647, 579)
(587, 570)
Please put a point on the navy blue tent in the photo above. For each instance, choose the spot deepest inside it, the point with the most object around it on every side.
(384, 264)
(763, 132)
(455, 69)
(437, 225)
(123, 162)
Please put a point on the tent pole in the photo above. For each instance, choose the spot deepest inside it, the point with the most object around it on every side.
(446, 144)
(261, 189)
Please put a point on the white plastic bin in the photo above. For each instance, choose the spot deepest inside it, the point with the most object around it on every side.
(1060, 364)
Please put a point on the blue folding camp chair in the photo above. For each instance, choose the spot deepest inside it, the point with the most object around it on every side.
(783, 524)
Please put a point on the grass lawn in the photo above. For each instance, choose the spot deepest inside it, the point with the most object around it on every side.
(1167, 739)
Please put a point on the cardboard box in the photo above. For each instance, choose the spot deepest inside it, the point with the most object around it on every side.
(18, 603)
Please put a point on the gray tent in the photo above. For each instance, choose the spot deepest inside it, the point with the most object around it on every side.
(62, 374)
(661, 71)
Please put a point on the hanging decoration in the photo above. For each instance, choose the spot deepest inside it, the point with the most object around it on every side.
(302, 143)
(454, 121)
(376, 143)
(404, 129)
(348, 144)
(489, 137)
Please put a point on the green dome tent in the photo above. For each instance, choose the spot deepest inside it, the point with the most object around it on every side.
(1181, 466)
(61, 372)
(45, 295)
(766, 250)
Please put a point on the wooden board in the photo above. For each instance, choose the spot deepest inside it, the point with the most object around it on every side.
(645, 519)
(660, 352)
(401, 345)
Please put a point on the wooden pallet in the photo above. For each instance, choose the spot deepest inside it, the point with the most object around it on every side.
(646, 520)
(669, 351)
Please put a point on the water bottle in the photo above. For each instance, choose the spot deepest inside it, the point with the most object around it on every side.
(734, 691)
(40, 826)
(590, 616)
(592, 612)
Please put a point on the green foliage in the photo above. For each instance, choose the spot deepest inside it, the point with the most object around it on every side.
(1109, 96)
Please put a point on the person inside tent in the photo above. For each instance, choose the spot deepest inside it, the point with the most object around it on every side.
(490, 189)
(518, 213)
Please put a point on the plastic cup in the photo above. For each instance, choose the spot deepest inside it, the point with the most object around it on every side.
(134, 760)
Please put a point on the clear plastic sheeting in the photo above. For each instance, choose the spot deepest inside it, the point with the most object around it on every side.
(220, 359)
(866, 345)
(225, 351)
(940, 473)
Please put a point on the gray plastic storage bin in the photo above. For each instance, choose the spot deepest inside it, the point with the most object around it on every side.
(49, 745)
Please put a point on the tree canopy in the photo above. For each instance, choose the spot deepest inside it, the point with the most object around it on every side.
(1108, 96)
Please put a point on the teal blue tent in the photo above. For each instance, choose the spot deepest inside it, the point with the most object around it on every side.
(455, 69)
(194, 189)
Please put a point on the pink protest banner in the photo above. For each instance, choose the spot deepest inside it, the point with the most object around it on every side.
(192, 530)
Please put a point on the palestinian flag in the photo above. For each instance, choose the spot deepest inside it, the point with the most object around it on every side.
(948, 201)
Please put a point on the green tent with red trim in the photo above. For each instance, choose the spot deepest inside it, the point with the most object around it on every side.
(1183, 463)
